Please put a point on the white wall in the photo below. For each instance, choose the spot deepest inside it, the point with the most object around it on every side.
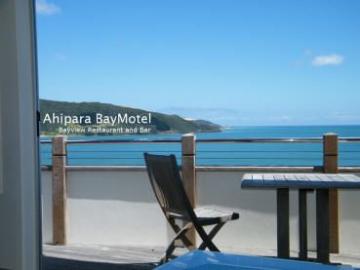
(110, 208)
(349, 204)
(118, 208)
(256, 228)
(46, 204)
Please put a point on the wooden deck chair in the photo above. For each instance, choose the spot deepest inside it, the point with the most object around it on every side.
(167, 185)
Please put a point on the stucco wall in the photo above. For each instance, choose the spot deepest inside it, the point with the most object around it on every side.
(118, 208)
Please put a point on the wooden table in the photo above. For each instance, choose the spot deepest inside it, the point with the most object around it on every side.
(304, 182)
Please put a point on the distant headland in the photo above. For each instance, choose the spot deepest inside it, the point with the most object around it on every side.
(95, 118)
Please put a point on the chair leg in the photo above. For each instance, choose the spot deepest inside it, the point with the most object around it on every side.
(205, 237)
(177, 229)
(180, 233)
(211, 235)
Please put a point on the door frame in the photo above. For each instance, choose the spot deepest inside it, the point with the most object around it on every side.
(20, 201)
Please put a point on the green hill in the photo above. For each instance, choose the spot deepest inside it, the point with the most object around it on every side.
(158, 123)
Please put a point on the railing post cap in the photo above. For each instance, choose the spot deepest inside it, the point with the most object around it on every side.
(59, 137)
(59, 145)
(187, 135)
(188, 144)
(330, 134)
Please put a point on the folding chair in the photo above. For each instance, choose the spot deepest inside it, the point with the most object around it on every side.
(167, 185)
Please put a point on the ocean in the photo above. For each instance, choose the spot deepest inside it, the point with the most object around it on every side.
(218, 154)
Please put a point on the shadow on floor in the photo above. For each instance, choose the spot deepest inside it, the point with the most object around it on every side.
(51, 263)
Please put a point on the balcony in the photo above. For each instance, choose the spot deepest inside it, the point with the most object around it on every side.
(108, 214)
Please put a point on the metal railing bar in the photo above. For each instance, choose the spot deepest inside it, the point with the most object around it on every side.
(107, 158)
(349, 139)
(226, 140)
(262, 140)
(242, 168)
(211, 158)
(123, 141)
(256, 158)
(258, 151)
(121, 151)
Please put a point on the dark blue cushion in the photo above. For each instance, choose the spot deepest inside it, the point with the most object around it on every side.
(204, 260)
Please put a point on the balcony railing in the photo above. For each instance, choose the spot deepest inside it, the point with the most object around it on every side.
(244, 154)
(259, 152)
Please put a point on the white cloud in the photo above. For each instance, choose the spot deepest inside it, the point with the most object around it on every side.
(327, 60)
(45, 8)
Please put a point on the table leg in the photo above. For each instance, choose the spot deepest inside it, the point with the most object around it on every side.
(302, 224)
(283, 217)
(323, 225)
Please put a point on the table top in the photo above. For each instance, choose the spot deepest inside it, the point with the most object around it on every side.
(301, 181)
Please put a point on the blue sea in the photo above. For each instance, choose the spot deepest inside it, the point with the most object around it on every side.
(218, 154)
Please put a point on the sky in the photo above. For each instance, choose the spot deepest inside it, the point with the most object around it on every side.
(233, 62)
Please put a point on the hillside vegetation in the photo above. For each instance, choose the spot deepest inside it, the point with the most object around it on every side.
(160, 123)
